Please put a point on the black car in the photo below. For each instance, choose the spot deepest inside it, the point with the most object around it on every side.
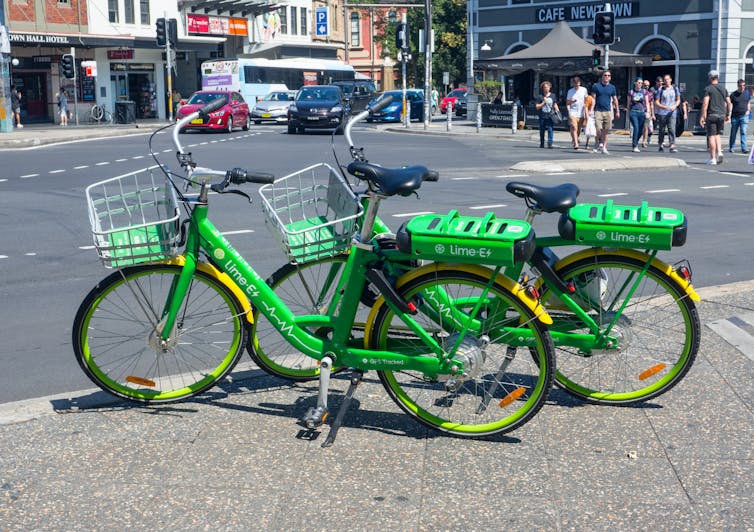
(461, 106)
(317, 106)
(358, 93)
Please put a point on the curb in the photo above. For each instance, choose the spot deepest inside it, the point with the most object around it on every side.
(603, 164)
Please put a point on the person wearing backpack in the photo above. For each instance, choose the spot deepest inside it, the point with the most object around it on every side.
(666, 102)
(716, 108)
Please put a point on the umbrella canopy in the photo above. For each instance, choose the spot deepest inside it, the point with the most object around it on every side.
(560, 52)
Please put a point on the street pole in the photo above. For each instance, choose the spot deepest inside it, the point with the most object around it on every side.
(428, 42)
(404, 57)
(169, 63)
(75, 88)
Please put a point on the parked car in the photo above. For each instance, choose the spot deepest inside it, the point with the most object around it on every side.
(318, 107)
(358, 93)
(461, 107)
(452, 98)
(235, 112)
(393, 112)
(273, 107)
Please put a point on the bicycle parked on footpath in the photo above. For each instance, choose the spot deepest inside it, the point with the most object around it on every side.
(625, 325)
(167, 326)
(99, 114)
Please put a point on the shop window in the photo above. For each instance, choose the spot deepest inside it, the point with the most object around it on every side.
(112, 10)
(145, 15)
(748, 69)
(658, 49)
(283, 20)
(355, 29)
(294, 22)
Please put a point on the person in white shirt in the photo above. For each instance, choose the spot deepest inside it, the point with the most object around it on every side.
(575, 102)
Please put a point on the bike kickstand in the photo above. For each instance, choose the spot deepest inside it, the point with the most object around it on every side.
(356, 378)
(316, 416)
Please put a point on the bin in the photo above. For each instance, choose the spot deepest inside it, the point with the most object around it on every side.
(125, 112)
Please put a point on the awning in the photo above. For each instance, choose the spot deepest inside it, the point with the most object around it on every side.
(231, 7)
(560, 52)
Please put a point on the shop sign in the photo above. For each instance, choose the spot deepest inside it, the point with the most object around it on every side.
(127, 53)
(43, 39)
(584, 12)
(212, 25)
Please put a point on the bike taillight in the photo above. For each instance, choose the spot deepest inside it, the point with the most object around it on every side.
(683, 268)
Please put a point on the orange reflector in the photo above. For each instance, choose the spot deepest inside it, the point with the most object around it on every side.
(651, 371)
(514, 395)
(140, 380)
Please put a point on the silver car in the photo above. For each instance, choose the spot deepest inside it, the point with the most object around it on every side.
(273, 107)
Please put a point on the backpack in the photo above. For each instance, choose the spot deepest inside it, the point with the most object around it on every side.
(658, 94)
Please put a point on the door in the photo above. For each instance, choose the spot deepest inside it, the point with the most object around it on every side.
(33, 87)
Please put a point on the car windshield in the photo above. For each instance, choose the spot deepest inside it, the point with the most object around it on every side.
(457, 93)
(318, 94)
(276, 97)
(347, 89)
(200, 98)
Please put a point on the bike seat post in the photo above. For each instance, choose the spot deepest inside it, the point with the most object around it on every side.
(530, 214)
(370, 216)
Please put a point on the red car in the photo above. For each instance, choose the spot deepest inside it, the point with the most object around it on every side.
(451, 98)
(235, 112)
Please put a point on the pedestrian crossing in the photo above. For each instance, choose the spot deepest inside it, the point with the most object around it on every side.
(738, 331)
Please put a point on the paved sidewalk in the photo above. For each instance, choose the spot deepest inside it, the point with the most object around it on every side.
(234, 459)
(32, 135)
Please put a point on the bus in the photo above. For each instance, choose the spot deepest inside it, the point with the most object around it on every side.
(256, 77)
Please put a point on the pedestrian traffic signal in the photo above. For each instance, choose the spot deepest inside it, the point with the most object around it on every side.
(162, 32)
(401, 36)
(68, 66)
(596, 53)
(604, 27)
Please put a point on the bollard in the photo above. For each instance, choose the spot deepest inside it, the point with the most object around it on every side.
(478, 117)
(449, 113)
(514, 116)
(408, 113)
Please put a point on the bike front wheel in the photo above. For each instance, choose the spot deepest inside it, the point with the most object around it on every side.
(116, 342)
(504, 386)
(658, 330)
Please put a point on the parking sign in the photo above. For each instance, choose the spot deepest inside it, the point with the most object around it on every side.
(321, 22)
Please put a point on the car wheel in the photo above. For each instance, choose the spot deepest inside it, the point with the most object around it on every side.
(247, 124)
(229, 128)
(291, 129)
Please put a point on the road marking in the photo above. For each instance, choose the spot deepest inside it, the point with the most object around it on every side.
(120, 160)
(736, 174)
(137, 157)
(461, 178)
(612, 195)
(166, 151)
(713, 186)
(81, 167)
(30, 254)
(28, 176)
(56, 171)
(86, 247)
(103, 163)
(737, 331)
(513, 175)
(561, 173)
(3, 180)
(662, 190)
(409, 214)
(480, 207)
(3, 256)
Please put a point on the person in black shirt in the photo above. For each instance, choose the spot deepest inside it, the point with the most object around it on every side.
(739, 115)
(715, 112)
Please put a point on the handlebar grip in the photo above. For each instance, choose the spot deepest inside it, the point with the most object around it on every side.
(239, 176)
(380, 104)
(431, 175)
(211, 107)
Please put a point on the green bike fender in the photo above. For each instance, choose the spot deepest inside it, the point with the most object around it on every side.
(223, 278)
(682, 283)
(515, 288)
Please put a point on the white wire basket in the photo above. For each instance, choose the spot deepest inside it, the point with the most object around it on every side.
(312, 213)
(134, 218)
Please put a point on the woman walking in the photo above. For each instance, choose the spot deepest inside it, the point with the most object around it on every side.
(637, 104)
(546, 106)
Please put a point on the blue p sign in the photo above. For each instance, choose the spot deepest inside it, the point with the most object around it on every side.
(321, 22)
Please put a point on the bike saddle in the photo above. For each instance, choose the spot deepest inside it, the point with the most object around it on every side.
(547, 199)
(390, 181)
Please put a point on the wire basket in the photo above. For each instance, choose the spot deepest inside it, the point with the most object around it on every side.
(134, 218)
(312, 212)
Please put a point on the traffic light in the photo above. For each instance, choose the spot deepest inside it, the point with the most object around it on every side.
(173, 31)
(596, 53)
(68, 66)
(401, 36)
(604, 27)
(162, 32)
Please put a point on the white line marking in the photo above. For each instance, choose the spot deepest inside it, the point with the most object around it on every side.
(736, 174)
(86, 247)
(513, 175)
(103, 163)
(200, 144)
(479, 207)
(461, 178)
(749, 184)
(28, 175)
(734, 335)
(81, 167)
(713, 186)
(120, 160)
(3, 180)
(407, 214)
(662, 190)
(166, 151)
(3, 256)
(239, 232)
(30, 254)
(612, 195)
(561, 173)
(56, 171)
(137, 157)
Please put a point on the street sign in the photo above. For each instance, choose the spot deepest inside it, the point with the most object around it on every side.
(321, 22)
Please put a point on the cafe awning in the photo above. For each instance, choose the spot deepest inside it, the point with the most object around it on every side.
(560, 52)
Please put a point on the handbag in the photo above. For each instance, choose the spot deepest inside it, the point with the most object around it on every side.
(591, 129)
(556, 117)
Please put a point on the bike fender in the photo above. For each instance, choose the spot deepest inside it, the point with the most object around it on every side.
(637, 255)
(207, 268)
(518, 290)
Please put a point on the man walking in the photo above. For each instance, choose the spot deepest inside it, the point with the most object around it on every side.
(667, 101)
(715, 112)
(575, 102)
(739, 116)
(605, 103)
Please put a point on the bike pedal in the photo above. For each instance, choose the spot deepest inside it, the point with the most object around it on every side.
(315, 417)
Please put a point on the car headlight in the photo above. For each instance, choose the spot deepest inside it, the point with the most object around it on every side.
(337, 109)
(293, 109)
(218, 114)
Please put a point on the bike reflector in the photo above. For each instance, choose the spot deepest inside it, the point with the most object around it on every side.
(624, 226)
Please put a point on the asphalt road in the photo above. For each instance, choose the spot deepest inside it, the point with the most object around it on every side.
(48, 265)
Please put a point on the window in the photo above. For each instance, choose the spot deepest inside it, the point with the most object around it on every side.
(128, 11)
(144, 7)
(294, 25)
(112, 10)
(304, 21)
(283, 20)
(355, 29)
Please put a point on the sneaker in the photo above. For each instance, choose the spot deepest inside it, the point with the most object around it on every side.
(550, 146)
(661, 149)
(597, 150)
(730, 150)
(712, 162)
(720, 158)
(636, 149)
(673, 149)
(745, 151)
(605, 152)
(21, 126)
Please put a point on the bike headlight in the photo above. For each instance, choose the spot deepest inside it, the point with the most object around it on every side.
(337, 109)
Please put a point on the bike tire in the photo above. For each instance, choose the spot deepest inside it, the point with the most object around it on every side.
(493, 399)
(97, 113)
(114, 340)
(659, 331)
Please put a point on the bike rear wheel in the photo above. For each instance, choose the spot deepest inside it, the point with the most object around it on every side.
(116, 343)
(505, 386)
(658, 331)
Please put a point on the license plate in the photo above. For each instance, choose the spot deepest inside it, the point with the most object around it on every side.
(265, 115)
(312, 118)
(197, 121)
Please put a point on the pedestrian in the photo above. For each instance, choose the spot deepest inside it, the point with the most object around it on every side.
(716, 107)
(740, 99)
(575, 102)
(605, 107)
(498, 100)
(434, 99)
(15, 105)
(547, 107)
(590, 130)
(667, 101)
(649, 117)
(696, 103)
(637, 104)
(63, 106)
(683, 115)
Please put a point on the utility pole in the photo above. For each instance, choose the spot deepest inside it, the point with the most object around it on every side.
(428, 44)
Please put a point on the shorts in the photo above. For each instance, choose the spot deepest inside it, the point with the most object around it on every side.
(603, 119)
(714, 124)
(576, 122)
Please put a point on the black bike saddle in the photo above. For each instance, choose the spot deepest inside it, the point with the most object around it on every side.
(390, 181)
(546, 199)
